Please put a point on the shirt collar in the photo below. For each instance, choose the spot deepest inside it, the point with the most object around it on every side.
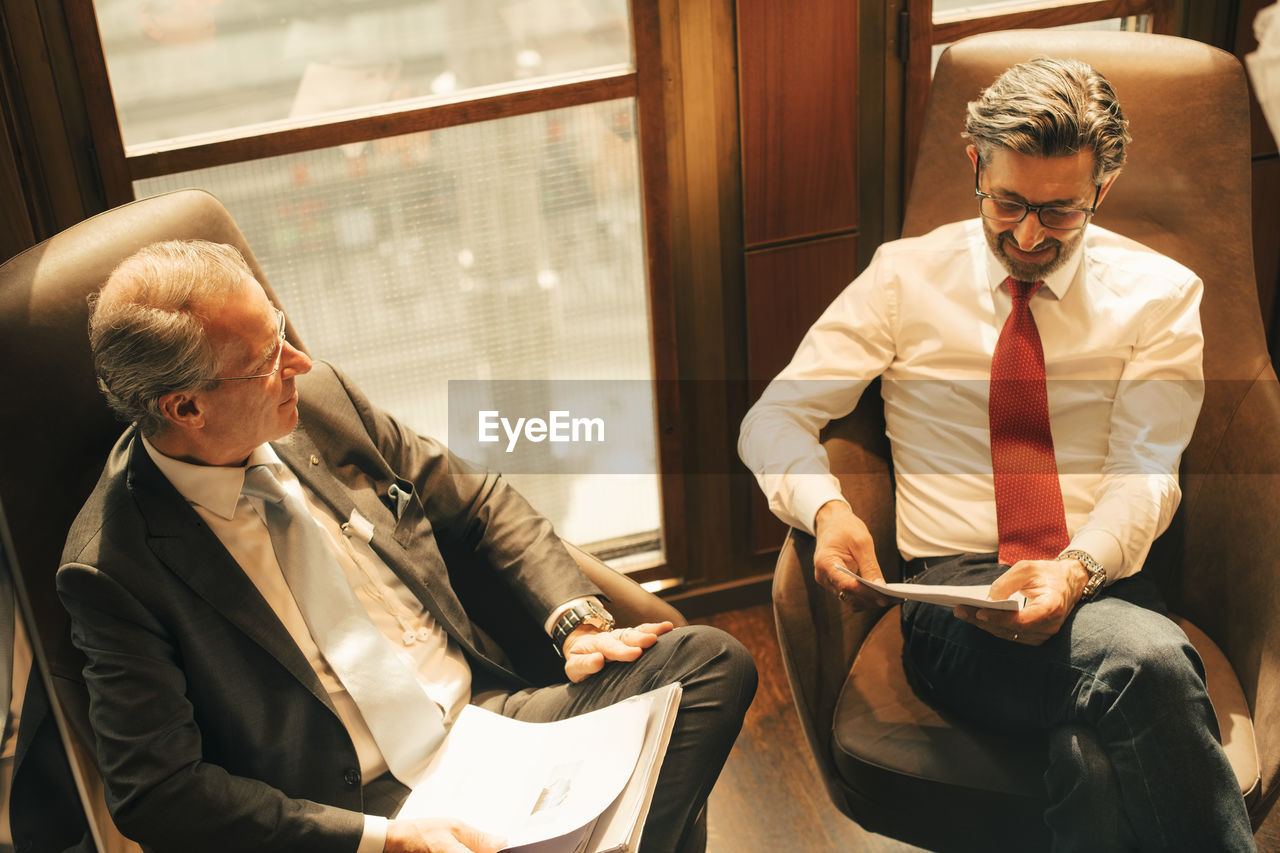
(216, 488)
(1057, 282)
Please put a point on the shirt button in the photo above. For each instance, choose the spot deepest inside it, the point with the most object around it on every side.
(352, 777)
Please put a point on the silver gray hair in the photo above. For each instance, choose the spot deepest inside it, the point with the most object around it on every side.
(1051, 108)
(145, 328)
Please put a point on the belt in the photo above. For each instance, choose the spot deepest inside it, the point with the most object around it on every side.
(912, 568)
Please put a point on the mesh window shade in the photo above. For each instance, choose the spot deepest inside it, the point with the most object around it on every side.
(509, 249)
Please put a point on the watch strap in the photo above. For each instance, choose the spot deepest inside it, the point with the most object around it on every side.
(1097, 572)
(586, 612)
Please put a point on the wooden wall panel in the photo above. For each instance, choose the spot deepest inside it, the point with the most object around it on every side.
(787, 289)
(798, 89)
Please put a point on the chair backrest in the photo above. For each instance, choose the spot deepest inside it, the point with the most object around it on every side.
(55, 422)
(54, 419)
(1184, 192)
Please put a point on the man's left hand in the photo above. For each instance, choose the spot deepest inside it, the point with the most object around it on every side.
(587, 648)
(1052, 588)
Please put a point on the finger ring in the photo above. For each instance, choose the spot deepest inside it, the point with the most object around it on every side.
(840, 595)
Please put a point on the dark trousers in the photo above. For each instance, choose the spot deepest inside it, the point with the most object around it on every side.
(1135, 760)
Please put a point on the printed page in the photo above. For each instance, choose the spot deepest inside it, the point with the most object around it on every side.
(618, 830)
(532, 782)
(947, 594)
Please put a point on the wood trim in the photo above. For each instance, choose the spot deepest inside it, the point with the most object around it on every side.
(706, 240)
(100, 105)
(881, 72)
(50, 140)
(949, 27)
(798, 239)
(921, 36)
(1163, 18)
(650, 84)
(717, 598)
(17, 229)
(254, 143)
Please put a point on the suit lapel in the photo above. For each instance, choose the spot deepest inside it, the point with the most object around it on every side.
(185, 544)
(403, 541)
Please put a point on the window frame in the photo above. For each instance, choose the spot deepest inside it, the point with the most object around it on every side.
(923, 29)
(644, 82)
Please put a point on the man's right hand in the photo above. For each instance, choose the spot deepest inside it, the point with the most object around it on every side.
(439, 835)
(844, 549)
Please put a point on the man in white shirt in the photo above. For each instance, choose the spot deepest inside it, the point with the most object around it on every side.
(1091, 347)
(225, 715)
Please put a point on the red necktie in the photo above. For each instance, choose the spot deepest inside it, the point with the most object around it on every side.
(1029, 513)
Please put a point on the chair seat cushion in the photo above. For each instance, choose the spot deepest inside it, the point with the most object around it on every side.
(884, 734)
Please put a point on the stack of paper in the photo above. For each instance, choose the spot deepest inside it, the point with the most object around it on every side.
(581, 784)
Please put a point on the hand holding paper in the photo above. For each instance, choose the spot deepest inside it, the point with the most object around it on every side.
(948, 595)
(1052, 589)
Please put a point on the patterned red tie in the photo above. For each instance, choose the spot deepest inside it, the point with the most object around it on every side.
(1029, 513)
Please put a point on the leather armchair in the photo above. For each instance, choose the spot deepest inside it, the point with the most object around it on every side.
(904, 769)
(59, 429)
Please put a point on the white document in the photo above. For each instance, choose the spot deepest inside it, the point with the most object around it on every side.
(974, 595)
(618, 829)
(541, 785)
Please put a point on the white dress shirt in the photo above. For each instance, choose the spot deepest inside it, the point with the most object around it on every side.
(1120, 327)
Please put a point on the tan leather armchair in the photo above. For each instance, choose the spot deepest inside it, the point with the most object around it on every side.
(58, 428)
(896, 765)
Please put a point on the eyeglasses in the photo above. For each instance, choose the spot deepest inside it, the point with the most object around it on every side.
(275, 365)
(1011, 212)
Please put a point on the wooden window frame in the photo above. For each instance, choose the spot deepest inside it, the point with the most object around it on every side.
(644, 82)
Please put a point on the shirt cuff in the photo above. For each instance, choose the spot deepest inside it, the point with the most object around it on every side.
(808, 501)
(1104, 548)
(550, 624)
(375, 835)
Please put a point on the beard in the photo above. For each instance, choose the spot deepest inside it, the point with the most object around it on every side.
(1024, 270)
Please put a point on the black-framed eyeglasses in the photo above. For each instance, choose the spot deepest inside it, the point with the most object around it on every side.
(1051, 216)
(279, 355)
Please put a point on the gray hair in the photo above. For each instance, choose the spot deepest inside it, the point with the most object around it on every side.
(1051, 108)
(145, 326)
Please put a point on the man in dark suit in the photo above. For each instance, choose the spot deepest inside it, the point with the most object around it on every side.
(220, 723)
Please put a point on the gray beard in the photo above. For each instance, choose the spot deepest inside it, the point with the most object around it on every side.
(1021, 270)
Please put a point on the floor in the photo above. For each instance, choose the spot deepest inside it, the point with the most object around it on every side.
(769, 797)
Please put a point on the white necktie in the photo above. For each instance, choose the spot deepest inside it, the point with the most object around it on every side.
(405, 722)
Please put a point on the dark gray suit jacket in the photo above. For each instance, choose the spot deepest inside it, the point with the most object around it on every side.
(212, 730)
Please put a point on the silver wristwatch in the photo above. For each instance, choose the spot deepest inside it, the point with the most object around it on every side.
(582, 613)
(1097, 572)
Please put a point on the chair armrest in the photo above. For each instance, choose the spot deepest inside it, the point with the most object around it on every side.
(629, 602)
(819, 637)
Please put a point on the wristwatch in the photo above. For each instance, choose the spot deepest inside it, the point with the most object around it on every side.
(1097, 572)
(583, 613)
